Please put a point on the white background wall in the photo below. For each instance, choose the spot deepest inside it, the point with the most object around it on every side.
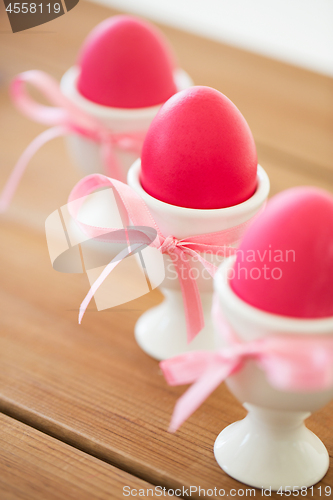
(296, 31)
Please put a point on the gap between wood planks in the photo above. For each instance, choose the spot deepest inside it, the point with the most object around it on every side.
(41, 424)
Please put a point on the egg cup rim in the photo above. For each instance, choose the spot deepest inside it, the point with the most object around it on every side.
(254, 202)
(264, 319)
(68, 86)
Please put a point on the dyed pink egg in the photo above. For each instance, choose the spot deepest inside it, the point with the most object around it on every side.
(199, 152)
(126, 63)
(285, 262)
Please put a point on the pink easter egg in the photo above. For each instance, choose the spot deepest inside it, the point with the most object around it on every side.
(125, 62)
(199, 152)
(284, 264)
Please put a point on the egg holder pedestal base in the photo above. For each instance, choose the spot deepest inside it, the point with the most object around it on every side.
(271, 447)
(161, 331)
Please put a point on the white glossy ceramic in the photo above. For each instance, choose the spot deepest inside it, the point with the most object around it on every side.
(161, 331)
(270, 447)
(86, 153)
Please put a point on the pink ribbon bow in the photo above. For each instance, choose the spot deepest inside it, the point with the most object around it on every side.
(291, 363)
(139, 215)
(65, 118)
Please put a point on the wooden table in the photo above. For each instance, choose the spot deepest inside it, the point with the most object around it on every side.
(84, 412)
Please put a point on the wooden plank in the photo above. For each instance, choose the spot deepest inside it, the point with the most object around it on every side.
(34, 466)
(91, 386)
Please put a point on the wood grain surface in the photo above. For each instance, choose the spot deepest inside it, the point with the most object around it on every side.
(36, 466)
(90, 386)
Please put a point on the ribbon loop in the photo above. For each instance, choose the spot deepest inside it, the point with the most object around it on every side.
(139, 215)
(62, 111)
(65, 118)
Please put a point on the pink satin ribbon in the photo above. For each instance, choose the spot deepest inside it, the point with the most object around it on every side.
(139, 215)
(65, 118)
(299, 363)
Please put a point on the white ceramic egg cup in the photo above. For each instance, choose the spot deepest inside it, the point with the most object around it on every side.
(85, 152)
(161, 331)
(270, 447)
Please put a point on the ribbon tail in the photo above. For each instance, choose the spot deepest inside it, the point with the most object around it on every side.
(104, 274)
(199, 391)
(211, 268)
(19, 169)
(191, 297)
